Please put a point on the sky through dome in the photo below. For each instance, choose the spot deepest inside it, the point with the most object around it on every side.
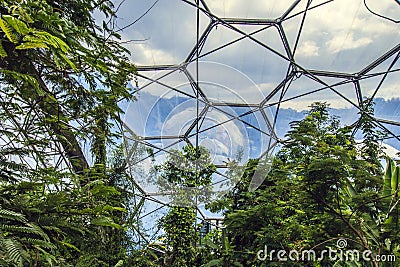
(231, 75)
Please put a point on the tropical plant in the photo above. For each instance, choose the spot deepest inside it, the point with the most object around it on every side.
(322, 186)
(184, 172)
(62, 76)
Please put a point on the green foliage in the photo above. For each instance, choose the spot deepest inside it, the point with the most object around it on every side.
(216, 250)
(322, 186)
(62, 78)
(56, 225)
(7, 28)
(12, 252)
(181, 236)
(16, 233)
(184, 171)
(187, 174)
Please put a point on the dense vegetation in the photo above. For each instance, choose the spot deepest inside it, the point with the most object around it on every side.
(323, 187)
(62, 77)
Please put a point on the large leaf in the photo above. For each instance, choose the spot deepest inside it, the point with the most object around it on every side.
(387, 183)
(395, 181)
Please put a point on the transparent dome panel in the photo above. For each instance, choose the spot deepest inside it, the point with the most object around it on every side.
(345, 35)
(223, 136)
(154, 105)
(224, 83)
(157, 35)
(249, 9)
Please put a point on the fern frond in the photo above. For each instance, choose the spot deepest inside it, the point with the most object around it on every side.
(17, 229)
(7, 29)
(69, 62)
(69, 245)
(7, 133)
(79, 230)
(41, 243)
(49, 258)
(30, 45)
(39, 231)
(11, 215)
(18, 25)
(13, 251)
(10, 165)
(120, 263)
(20, 151)
(29, 229)
(32, 81)
(52, 40)
(3, 52)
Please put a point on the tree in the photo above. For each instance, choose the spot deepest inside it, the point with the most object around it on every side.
(184, 172)
(62, 76)
(321, 187)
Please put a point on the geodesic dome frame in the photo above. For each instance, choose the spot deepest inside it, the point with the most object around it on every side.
(348, 86)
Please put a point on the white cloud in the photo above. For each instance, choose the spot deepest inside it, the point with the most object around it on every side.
(390, 151)
(145, 54)
(346, 42)
(308, 49)
(248, 8)
(266, 86)
(387, 91)
(304, 104)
